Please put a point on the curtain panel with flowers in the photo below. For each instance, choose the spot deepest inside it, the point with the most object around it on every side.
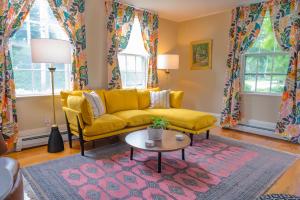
(246, 23)
(120, 19)
(285, 16)
(70, 14)
(12, 16)
(149, 27)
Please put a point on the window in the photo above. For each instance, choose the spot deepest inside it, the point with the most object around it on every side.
(265, 64)
(133, 61)
(31, 78)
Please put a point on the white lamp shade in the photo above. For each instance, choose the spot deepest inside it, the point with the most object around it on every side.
(168, 61)
(51, 51)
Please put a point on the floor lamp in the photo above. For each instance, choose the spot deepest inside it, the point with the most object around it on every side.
(52, 52)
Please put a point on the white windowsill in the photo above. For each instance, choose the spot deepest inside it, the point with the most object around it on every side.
(261, 94)
(36, 96)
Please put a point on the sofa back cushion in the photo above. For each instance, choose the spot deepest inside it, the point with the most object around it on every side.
(79, 103)
(121, 99)
(144, 99)
(176, 98)
(65, 94)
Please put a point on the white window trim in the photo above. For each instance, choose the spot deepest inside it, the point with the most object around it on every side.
(242, 74)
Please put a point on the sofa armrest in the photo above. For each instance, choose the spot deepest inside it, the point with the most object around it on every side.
(74, 117)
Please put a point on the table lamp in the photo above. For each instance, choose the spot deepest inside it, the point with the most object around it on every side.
(51, 51)
(167, 62)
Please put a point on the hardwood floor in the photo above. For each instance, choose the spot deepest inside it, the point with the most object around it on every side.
(288, 183)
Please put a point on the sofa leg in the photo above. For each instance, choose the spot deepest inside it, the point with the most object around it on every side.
(69, 131)
(81, 144)
(207, 134)
(70, 139)
(191, 137)
(80, 137)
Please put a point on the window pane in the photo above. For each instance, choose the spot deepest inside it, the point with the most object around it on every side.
(40, 23)
(249, 84)
(263, 83)
(23, 80)
(21, 57)
(251, 64)
(35, 30)
(264, 65)
(35, 12)
(122, 62)
(21, 34)
(278, 83)
(130, 63)
(281, 64)
(139, 64)
(266, 41)
(37, 86)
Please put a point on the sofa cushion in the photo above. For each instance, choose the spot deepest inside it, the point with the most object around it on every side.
(189, 119)
(176, 99)
(135, 117)
(79, 103)
(143, 99)
(65, 94)
(119, 100)
(104, 124)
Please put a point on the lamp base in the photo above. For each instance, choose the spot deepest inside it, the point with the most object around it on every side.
(55, 142)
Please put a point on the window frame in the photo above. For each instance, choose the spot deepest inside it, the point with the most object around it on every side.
(145, 60)
(243, 72)
(44, 33)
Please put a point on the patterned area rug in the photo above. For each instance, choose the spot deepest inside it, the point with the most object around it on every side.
(217, 168)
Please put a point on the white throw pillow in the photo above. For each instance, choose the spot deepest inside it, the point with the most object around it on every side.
(160, 99)
(96, 103)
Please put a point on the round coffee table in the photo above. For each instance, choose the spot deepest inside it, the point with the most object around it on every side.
(168, 143)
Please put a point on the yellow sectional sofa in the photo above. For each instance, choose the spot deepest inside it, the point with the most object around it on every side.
(127, 110)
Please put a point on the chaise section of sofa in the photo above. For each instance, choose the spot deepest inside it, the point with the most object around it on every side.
(127, 110)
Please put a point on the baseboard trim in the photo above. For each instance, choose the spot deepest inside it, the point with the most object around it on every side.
(37, 137)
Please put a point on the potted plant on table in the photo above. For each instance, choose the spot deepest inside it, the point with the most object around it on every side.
(157, 127)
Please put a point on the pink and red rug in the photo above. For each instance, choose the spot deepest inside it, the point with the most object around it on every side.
(214, 169)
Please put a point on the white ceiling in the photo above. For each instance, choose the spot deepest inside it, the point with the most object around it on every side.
(182, 10)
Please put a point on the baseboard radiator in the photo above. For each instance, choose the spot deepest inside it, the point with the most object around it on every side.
(36, 140)
(258, 129)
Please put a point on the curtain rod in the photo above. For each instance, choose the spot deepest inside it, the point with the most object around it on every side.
(137, 8)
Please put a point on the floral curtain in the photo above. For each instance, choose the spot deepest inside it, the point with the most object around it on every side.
(12, 16)
(246, 22)
(149, 27)
(70, 14)
(119, 25)
(285, 16)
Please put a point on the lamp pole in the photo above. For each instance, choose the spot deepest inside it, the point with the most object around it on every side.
(55, 142)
